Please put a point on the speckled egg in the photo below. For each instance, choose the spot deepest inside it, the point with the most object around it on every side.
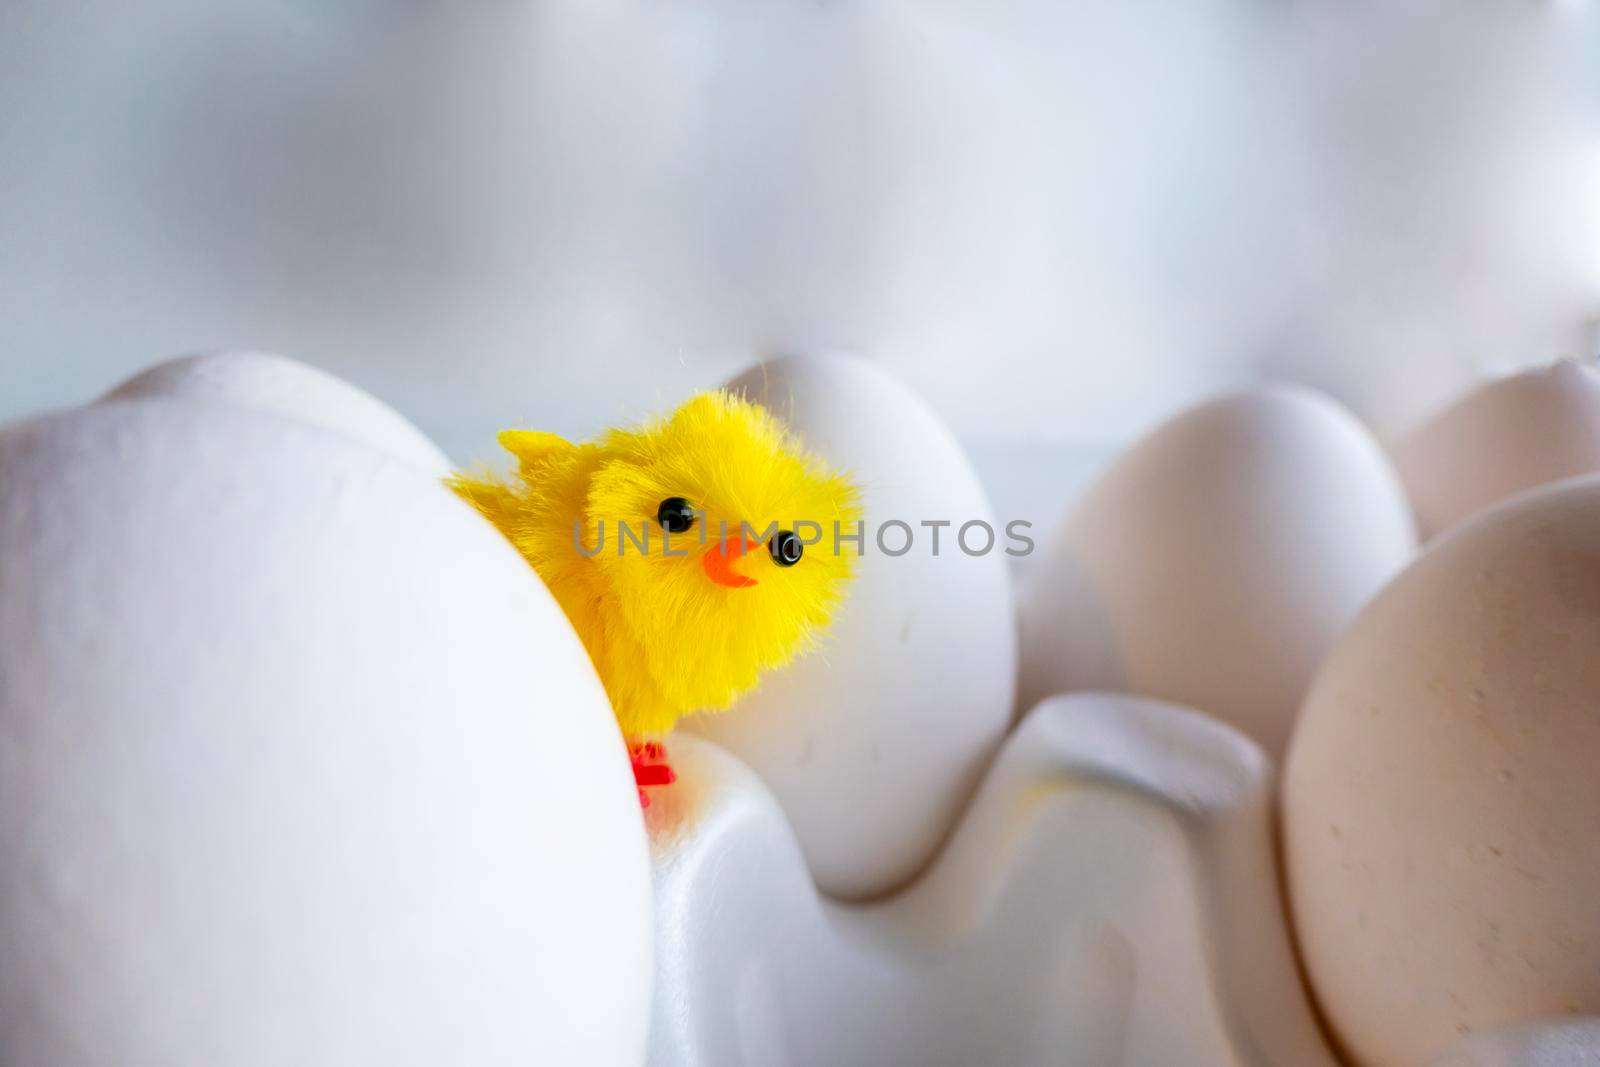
(1442, 793)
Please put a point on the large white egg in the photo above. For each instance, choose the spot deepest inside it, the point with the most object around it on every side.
(1505, 436)
(873, 742)
(1215, 562)
(266, 382)
(1442, 794)
(300, 761)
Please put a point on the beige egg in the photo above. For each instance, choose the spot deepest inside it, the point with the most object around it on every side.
(1442, 792)
(1218, 559)
(1504, 437)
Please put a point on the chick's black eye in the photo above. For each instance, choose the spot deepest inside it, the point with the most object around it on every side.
(675, 514)
(786, 548)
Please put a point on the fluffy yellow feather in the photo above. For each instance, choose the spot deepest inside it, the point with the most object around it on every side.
(672, 547)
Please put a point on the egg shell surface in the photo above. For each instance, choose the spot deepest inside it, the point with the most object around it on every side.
(1440, 798)
(301, 764)
(873, 741)
(1216, 561)
(1505, 436)
(263, 381)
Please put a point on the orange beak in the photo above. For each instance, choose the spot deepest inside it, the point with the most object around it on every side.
(718, 562)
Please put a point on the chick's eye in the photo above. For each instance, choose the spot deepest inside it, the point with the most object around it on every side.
(675, 514)
(786, 548)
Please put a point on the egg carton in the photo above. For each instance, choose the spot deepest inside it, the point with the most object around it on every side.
(1109, 897)
(1109, 893)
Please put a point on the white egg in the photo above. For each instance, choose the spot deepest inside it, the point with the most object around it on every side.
(1440, 799)
(873, 742)
(265, 382)
(1505, 436)
(301, 764)
(1216, 561)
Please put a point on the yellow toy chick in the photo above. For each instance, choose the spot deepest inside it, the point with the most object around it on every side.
(690, 554)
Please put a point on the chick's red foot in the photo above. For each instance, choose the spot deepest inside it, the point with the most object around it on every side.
(650, 768)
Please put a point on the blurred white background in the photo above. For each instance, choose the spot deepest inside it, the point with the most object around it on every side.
(1057, 220)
